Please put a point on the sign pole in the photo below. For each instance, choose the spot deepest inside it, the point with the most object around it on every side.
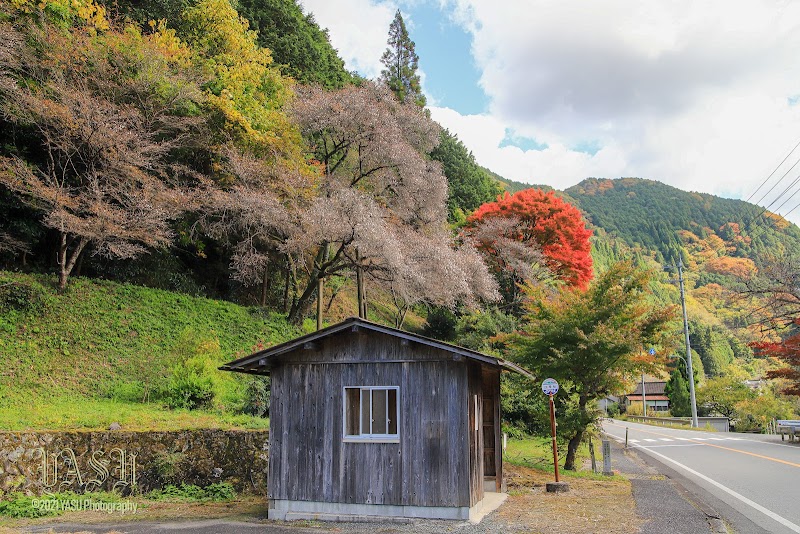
(550, 388)
(553, 432)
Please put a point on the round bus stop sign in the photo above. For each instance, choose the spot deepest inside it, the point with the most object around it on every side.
(550, 387)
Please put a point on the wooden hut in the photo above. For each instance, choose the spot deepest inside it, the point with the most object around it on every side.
(367, 420)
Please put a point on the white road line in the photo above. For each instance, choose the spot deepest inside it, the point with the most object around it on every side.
(769, 513)
(650, 439)
(667, 439)
(648, 447)
(684, 439)
(717, 439)
(633, 440)
(700, 439)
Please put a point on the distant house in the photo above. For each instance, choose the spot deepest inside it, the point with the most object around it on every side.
(756, 384)
(654, 396)
(368, 420)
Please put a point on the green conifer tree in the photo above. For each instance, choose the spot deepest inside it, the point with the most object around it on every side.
(677, 389)
(401, 61)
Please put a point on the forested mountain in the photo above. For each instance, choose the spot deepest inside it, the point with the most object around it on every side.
(673, 223)
(297, 44)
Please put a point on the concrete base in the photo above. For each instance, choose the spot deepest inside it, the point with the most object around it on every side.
(331, 511)
(557, 487)
(490, 485)
(491, 502)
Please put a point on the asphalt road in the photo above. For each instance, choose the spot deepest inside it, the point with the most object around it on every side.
(752, 480)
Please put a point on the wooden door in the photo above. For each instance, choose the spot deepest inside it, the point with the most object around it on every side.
(489, 468)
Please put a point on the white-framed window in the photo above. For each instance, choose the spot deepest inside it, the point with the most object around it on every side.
(372, 413)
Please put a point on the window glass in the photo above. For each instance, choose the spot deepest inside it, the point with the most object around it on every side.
(392, 411)
(366, 428)
(352, 411)
(371, 412)
(379, 411)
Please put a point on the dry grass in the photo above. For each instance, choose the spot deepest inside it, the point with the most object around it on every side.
(590, 506)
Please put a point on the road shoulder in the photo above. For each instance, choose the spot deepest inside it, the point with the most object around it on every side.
(662, 501)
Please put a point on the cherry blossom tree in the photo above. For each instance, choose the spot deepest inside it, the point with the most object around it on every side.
(380, 212)
(104, 111)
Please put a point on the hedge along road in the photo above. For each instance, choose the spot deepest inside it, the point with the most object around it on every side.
(758, 476)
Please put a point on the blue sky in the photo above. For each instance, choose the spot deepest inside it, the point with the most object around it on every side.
(699, 95)
(452, 78)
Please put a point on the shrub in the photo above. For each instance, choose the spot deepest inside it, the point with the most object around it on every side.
(191, 384)
(257, 397)
(220, 491)
(18, 505)
(441, 324)
(23, 296)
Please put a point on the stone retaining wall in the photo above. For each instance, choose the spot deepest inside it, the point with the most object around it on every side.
(47, 462)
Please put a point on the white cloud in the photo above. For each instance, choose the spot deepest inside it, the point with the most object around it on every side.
(358, 30)
(694, 94)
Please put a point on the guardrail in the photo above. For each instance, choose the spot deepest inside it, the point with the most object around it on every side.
(720, 424)
(789, 428)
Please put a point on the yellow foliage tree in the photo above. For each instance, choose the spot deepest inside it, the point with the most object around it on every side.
(247, 95)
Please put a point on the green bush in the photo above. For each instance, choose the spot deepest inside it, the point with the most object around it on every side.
(22, 295)
(441, 324)
(220, 491)
(18, 505)
(257, 397)
(191, 385)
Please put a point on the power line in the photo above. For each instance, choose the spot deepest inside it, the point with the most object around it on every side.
(776, 183)
(766, 208)
(774, 171)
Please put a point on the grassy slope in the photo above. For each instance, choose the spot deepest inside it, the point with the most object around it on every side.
(64, 356)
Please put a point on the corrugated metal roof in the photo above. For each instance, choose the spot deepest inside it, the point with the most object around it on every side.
(259, 362)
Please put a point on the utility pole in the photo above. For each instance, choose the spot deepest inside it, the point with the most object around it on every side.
(688, 347)
(644, 399)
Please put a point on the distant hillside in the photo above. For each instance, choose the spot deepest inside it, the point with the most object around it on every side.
(666, 220)
(511, 186)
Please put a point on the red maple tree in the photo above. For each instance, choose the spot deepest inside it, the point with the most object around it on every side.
(787, 350)
(545, 221)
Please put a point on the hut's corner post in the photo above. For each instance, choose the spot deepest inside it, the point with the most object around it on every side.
(498, 438)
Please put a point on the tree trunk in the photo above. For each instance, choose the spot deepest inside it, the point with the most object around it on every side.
(320, 291)
(287, 281)
(79, 265)
(324, 266)
(360, 290)
(364, 302)
(575, 441)
(334, 293)
(401, 317)
(572, 449)
(265, 285)
(66, 260)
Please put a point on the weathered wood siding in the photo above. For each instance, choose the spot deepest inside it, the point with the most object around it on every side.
(475, 391)
(309, 461)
